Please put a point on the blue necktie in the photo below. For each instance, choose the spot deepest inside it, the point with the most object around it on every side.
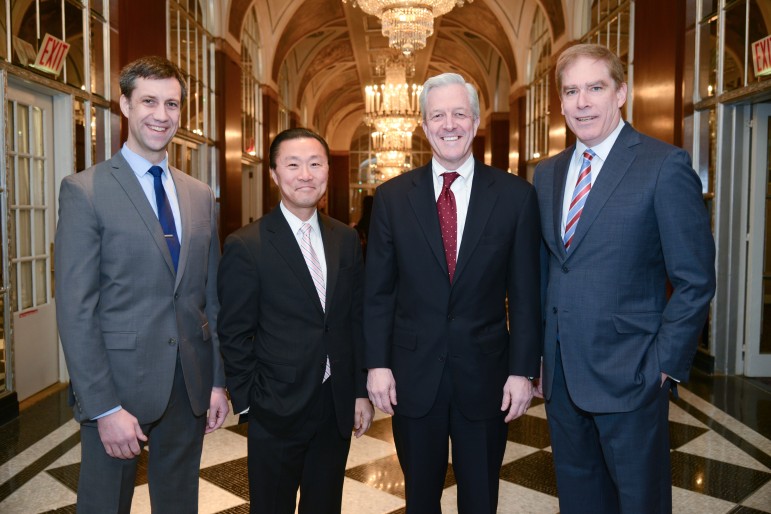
(165, 216)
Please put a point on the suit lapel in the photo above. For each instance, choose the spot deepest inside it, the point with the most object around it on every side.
(423, 202)
(331, 240)
(561, 167)
(185, 214)
(483, 196)
(125, 176)
(613, 170)
(285, 243)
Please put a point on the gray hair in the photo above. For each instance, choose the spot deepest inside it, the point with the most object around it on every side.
(446, 79)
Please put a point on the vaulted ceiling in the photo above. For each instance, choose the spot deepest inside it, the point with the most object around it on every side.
(331, 50)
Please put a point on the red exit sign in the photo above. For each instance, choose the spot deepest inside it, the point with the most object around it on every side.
(51, 55)
(761, 56)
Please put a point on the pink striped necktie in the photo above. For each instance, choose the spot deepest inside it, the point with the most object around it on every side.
(580, 193)
(314, 266)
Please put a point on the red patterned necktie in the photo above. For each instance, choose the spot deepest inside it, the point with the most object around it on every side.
(583, 186)
(448, 221)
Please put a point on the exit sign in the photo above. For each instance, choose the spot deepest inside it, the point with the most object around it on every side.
(51, 55)
(761, 56)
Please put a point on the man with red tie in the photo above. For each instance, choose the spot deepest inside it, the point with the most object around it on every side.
(449, 242)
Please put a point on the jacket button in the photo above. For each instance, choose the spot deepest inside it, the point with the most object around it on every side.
(554, 310)
(176, 296)
(450, 317)
(565, 269)
(172, 341)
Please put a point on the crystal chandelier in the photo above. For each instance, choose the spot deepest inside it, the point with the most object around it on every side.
(391, 163)
(407, 23)
(393, 112)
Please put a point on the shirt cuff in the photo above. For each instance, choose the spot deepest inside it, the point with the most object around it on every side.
(111, 411)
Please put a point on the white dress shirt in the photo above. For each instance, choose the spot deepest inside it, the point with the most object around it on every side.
(318, 245)
(461, 188)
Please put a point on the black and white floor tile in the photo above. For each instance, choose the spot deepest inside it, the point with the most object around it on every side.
(719, 464)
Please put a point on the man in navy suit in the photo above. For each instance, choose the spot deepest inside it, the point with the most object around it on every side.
(448, 243)
(621, 215)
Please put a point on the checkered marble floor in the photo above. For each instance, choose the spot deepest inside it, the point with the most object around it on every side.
(719, 465)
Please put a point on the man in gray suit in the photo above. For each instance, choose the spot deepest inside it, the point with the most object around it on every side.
(621, 214)
(136, 264)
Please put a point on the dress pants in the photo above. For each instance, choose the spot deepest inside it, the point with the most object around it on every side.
(610, 463)
(312, 460)
(477, 454)
(106, 484)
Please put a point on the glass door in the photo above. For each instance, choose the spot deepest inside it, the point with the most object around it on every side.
(30, 228)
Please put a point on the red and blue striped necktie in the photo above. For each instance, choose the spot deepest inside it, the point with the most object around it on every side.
(580, 193)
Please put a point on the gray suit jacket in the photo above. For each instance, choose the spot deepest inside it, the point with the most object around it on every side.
(122, 311)
(643, 224)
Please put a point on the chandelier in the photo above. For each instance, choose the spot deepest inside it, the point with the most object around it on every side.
(393, 112)
(407, 23)
(391, 163)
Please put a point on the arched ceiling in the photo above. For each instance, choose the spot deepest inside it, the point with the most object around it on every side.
(331, 50)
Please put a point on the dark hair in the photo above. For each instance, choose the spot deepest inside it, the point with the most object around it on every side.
(151, 67)
(293, 133)
(591, 51)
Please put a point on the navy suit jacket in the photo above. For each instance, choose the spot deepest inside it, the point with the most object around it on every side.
(416, 322)
(644, 223)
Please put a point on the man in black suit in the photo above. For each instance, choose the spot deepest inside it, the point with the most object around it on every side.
(290, 287)
(448, 244)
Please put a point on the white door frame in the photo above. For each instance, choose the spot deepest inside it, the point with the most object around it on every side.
(755, 363)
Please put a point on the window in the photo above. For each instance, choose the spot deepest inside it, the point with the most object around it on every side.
(251, 102)
(28, 175)
(610, 25)
(284, 98)
(537, 102)
(192, 49)
(80, 23)
(744, 22)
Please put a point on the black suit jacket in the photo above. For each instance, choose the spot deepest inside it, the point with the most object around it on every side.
(416, 322)
(274, 334)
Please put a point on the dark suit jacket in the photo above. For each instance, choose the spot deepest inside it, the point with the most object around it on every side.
(644, 222)
(416, 322)
(275, 336)
(122, 311)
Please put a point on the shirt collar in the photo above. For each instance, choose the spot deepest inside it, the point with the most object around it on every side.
(603, 149)
(465, 170)
(139, 164)
(295, 223)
